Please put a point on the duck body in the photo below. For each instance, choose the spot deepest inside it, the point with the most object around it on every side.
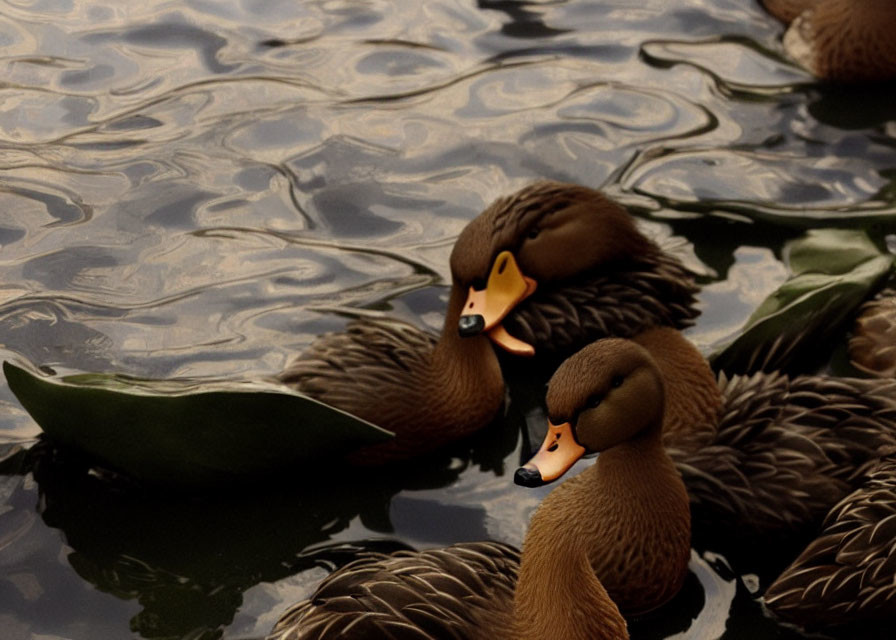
(840, 40)
(767, 454)
(619, 530)
(568, 265)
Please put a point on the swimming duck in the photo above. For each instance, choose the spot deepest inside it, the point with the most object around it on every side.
(872, 347)
(619, 532)
(549, 268)
(840, 40)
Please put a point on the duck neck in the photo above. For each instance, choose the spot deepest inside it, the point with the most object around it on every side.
(457, 355)
(465, 378)
(640, 524)
(561, 591)
(636, 468)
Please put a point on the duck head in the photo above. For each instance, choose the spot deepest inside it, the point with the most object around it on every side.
(537, 258)
(608, 393)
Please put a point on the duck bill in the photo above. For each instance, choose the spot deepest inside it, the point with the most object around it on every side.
(485, 309)
(557, 454)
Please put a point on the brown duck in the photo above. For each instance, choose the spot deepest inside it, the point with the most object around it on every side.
(552, 267)
(618, 532)
(841, 40)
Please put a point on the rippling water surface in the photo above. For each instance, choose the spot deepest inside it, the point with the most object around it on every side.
(199, 188)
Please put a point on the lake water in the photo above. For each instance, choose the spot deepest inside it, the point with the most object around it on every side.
(199, 188)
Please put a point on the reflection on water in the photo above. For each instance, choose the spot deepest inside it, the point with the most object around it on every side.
(200, 188)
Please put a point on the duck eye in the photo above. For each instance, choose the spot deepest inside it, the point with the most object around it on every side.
(533, 233)
(594, 401)
(617, 381)
(478, 284)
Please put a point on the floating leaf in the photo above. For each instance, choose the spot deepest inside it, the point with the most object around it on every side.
(188, 432)
(834, 271)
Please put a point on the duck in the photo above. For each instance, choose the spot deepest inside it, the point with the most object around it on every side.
(550, 268)
(840, 40)
(614, 540)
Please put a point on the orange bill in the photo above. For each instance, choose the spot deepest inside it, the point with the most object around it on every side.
(506, 288)
(557, 454)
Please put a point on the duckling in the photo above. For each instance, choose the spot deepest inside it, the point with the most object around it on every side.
(553, 267)
(840, 40)
(618, 532)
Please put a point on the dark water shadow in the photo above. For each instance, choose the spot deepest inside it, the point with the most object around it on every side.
(187, 558)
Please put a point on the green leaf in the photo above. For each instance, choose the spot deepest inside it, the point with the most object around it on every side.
(833, 272)
(185, 432)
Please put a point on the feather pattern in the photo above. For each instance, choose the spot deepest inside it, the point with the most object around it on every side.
(848, 571)
(429, 391)
(427, 595)
(787, 449)
(622, 301)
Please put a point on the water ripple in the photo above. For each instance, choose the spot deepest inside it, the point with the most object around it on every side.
(201, 188)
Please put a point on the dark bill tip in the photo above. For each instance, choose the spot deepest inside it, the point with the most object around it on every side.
(527, 477)
(471, 325)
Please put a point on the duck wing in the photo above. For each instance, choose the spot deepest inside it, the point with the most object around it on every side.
(343, 369)
(427, 595)
(378, 370)
(787, 450)
(847, 573)
(623, 301)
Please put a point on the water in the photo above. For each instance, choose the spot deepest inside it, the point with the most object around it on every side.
(199, 188)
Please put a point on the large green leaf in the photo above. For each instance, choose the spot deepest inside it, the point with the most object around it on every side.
(184, 432)
(833, 272)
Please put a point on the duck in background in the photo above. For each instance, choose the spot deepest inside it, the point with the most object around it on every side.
(614, 538)
(549, 268)
(840, 40)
